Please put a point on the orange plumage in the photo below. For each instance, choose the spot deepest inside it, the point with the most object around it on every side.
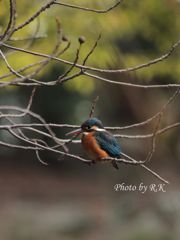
(92, 147)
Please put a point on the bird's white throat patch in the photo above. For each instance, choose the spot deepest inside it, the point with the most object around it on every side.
(86, 133)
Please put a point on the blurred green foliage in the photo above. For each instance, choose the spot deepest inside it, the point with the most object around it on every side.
(134, 33)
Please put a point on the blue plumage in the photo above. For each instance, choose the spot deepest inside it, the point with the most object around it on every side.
(108, 143)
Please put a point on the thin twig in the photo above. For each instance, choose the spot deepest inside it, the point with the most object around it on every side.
(16, 39)
(42, 9)
(91, 50)
(153, 142)
(93, 106)
(62, 78)
(90, 9)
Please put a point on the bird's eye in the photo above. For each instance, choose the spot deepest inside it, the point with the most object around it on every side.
(88, 127)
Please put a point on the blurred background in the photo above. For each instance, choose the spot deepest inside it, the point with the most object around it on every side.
(68, 200)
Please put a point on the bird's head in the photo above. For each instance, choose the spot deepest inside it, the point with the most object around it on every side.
(90, 125)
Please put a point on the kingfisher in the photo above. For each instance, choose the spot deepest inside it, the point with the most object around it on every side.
(97, 141)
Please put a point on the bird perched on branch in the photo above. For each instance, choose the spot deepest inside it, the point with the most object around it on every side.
(97, 141)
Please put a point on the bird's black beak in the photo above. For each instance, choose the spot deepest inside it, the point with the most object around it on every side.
(74, 132)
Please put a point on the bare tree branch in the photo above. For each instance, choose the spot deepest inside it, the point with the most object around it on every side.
(150, 86)
(159, 59)
(12, 18)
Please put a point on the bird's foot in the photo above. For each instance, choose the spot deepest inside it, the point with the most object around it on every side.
(113, 162)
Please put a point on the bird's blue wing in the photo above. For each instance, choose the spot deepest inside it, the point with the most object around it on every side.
(108, 143)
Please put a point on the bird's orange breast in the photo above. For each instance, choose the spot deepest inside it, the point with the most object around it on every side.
(91, 146)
